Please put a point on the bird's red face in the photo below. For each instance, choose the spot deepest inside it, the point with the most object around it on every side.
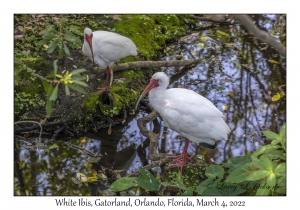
(89, 39)
(152, 84)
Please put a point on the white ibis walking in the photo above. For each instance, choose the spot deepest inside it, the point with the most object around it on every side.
(105, 48)
(186, 112)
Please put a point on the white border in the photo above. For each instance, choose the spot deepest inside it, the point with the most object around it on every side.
(118, 6)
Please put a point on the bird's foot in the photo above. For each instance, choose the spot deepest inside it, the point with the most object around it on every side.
(102, 90)
(179, 160)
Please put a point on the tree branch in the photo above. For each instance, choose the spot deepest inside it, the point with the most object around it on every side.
(264, 36)
(146, 64)
(153, 154)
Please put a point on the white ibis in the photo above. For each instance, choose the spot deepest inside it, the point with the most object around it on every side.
(186, 112)
(105, 48)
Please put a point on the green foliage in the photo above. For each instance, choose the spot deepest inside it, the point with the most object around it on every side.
(256, 174)
(214, 185)
(25, 101)
(71, 80)
(267, 166)
(148, 42)
(148, 181)
(59, 36)
(123, 184)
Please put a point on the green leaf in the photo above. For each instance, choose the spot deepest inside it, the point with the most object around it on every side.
(54, 94)
(17, 78)
(274, 142)
(257, 175)
(213, 192)
(188, 192)
(52, 46)
(43, 41)
(176, 183)
(77, 71)
(204, 185)
(78, 77)
(271, 135)
(281, 181)
(237, 161)
(18, 68)
(66, 49)
(48, 30)
(273, 61)
(264, 149)
(67, 90)
(77, 88)
(73, 40)
(223, 189)
(80, 82)
(74, 29)
(263, 190)
(61, 50)
(49, 35)
(52, 146)
(148, 181)
(275, 154)
(281, 190)
(280, 169)
(122, 184)
(258, 163)
(230, 189)
(283, 131)
(222, 33)
(48, 88)
(48, 108)
(214, 171)
(55, 66)
(268, 163)
(283, 135)
(219, 88)
(271, 181)
(240, 174)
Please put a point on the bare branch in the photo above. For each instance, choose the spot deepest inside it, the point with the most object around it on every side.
(147, 64)
(215, 18)
(264, 36)
(153, 155)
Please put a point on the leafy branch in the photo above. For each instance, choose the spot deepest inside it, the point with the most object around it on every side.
(73, 80)
(53, 39)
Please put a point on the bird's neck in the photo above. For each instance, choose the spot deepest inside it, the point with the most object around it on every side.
(155, 98)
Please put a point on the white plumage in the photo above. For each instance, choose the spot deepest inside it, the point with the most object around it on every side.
(105, 48)
(108, 47)
(188, 113)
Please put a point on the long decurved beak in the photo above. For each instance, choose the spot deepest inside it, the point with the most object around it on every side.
(152, 84)
(89, 39)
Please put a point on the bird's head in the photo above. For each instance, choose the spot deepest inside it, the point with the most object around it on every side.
(159, 80)
(88, 36)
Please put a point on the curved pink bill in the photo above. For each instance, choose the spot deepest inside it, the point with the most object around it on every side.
(89, 39)
(152, 84)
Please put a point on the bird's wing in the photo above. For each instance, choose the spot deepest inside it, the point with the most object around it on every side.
(112, 47)
(192, 115)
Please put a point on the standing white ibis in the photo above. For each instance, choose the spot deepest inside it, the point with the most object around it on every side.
(105, 48)
(186, 112)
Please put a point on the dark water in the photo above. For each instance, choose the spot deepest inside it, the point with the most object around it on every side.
(240, 79)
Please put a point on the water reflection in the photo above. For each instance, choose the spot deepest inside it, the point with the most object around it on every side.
(240, 80)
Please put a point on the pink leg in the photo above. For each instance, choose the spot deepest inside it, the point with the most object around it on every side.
(107, 82)
(180, 160)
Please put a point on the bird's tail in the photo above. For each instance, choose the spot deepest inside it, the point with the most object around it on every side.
(208, 145)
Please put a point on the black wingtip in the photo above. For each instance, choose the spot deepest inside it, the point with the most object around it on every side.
(208, 145)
